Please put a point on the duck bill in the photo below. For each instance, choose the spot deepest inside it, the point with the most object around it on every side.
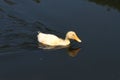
(77, 39)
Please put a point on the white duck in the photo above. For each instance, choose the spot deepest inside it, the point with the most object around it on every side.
(53, 40)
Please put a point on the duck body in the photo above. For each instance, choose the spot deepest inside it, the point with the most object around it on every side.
(53, 40)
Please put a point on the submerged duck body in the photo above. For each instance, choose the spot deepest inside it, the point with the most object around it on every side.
(53, 40)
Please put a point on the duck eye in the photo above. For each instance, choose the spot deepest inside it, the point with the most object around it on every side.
(73, 35)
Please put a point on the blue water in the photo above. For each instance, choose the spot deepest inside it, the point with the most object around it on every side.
(96, 22)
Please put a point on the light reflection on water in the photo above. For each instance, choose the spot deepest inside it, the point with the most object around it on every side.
(71, 51)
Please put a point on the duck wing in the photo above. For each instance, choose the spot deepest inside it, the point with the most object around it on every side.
(48, 39)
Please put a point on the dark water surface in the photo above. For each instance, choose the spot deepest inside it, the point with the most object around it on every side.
(97, 23)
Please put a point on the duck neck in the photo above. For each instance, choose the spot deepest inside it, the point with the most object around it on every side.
(64, 42)
(67, 41)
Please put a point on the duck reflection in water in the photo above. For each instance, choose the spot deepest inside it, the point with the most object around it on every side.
(71, 50)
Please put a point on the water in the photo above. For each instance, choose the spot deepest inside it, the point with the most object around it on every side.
(96, 23)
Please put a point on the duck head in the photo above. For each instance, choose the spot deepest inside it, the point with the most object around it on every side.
(72, 35)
